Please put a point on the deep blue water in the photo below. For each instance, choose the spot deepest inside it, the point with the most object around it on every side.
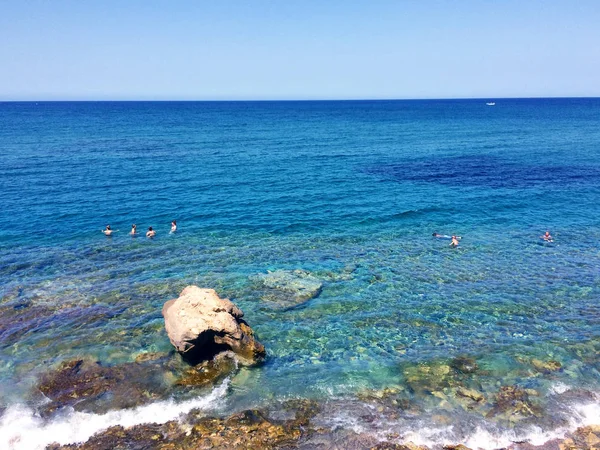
(350, 191)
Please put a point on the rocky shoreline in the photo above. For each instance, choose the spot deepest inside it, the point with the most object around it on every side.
(255, 429)
(199, 323)
(86, 385)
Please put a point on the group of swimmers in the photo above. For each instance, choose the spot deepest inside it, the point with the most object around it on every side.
(454, 239)
(108, 231)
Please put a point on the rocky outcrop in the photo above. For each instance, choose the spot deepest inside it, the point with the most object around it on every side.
(514, 403)
(296, 427)
(289, 288)
(201, 325)
(90, 386)
(582, 439)
(87, 385)
(251, 429)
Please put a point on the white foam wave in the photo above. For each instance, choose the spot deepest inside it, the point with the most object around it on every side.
(559, 388)
(486, 439)
(22, 429)
(490, 438)
(469, 431)
(588, 414)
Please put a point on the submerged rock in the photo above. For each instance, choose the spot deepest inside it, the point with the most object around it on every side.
(289, 288)
(87, 385)
(429, 377)
(201, 325)
(464, 364)
(208, 372)
(546, 366)
(150, 356)
(470, 393)
(303, 409)
(513, 404)
(347, 273)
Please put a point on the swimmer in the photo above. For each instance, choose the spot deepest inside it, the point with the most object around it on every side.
(173, 227)
(133, 231)
(107, 231)
(547, 237)
(454, 242)
(445, 236)
(150, 233)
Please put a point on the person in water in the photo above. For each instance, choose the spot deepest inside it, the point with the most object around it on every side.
(133, 230)
(108, 231)
(454, 242)
(547, 236)
(150, 233)
(173, 226)
(445, 236)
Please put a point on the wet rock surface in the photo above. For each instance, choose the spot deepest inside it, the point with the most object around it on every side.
(201, 325)
(301, 424)
(470, 393)
(546, 366)
(585, 438)
(464, 364)
(288, 288)
(87, 385)
(22, 318)
(208, 372)
(251, 429)
(429, 377)
(514, 403)
(258, 429)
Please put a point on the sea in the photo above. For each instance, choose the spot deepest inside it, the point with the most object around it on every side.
(349, 192)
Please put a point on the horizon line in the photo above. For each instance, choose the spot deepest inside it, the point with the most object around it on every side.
(296, 99)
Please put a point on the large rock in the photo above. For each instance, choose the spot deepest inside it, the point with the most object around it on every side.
(201, 325)
(289, 288)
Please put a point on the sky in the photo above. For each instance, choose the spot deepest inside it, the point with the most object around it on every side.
(288, 49)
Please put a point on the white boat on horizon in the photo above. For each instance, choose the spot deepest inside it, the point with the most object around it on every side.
(491, 103)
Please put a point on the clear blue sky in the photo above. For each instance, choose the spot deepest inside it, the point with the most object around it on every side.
(285, 49)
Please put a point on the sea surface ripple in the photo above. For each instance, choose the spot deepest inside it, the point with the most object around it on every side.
(350, 191)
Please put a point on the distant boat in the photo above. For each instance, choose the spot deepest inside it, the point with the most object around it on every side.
(491, 103)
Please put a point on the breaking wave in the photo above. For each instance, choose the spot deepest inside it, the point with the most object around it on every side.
(23, 429)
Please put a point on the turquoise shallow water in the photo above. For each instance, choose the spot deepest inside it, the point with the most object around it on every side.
(349, 191)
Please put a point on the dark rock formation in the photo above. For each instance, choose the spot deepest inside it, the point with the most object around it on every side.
(257, 430)
(250, 429)
(464, 364)
(513, 403)
(88, 386)
(208, 372)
